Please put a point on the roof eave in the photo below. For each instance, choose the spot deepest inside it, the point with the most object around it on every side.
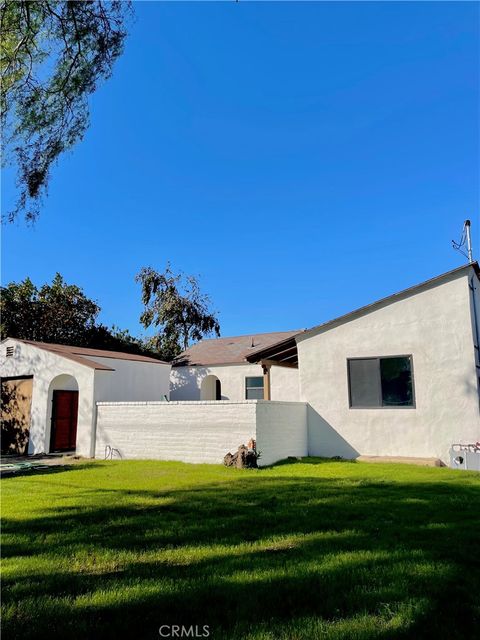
(210, 364)
(84, 362)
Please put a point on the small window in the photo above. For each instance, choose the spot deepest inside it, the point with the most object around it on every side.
(254, 388)
(10, 351)
(381, 382)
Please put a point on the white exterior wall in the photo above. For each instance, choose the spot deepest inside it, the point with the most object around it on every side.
(201, 431)
(434, 325)
(281, 431)
(132, 380)
(284, 384)
(189, 432)
(186, 382)
(45, 368)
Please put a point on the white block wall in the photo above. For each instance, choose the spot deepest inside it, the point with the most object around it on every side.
(201, 431)
(281, 430)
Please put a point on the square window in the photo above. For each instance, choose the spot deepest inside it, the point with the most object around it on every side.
(254, 388)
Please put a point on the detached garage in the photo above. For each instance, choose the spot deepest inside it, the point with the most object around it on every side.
(50, 391)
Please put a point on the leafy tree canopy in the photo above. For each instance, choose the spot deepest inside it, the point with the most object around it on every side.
(52, 56)
(60, 313)
(176, 306)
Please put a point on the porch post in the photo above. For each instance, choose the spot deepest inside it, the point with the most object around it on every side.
(266, 381)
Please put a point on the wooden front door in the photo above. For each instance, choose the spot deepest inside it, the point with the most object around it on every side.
(64, 420)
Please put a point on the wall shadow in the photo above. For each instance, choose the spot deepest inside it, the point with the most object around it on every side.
(324, 440)
(183, 385)
(16, 400)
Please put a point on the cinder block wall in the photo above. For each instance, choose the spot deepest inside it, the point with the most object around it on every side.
(281, 430)
(201, 431)
(186, 431)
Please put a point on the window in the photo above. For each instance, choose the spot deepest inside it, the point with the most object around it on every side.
(380, 382)
(10, 352)
(254, 388)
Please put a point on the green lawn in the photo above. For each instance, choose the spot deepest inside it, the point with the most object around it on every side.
(302, 550)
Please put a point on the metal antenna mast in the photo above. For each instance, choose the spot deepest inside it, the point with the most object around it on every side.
(465, 241)
(466, 226)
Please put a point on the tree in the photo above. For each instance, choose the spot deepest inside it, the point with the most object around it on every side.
(174, 304)
(52, 56)
(60, 313)
(57, 312)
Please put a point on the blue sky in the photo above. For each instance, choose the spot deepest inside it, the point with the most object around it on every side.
(303, 158)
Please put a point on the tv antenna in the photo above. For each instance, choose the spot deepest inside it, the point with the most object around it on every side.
(465, 242)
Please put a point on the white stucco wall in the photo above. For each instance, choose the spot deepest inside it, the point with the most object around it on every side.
(284, 384)
(435, 327)
(46, 368)
(201, 431)
(186, 382)
(130, 380)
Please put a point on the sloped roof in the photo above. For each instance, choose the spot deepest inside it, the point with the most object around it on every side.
(394, 297)
(230, 350)
(77, 354)
(275, 350)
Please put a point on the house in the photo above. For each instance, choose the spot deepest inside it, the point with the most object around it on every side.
(50, 392)
(218, 369)
(398, 377)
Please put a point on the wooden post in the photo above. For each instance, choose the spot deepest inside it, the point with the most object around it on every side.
(266, 381)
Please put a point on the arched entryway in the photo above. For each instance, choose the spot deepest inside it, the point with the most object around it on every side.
(62, 413)
(211, 388)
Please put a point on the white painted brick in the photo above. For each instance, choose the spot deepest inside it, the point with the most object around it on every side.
(200, 431)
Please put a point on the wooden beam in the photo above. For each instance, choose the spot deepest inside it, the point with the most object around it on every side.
(267, 352)
(293, 357)
(266, 381)
(284, 352)
(270, 363)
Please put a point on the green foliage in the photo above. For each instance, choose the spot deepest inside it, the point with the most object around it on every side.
(60, 313)
(52, 56)
(174, 304)
(56, 312)
(304, 550)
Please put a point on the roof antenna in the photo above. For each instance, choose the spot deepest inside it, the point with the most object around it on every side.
(465, 241)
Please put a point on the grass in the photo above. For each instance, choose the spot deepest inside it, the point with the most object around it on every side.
(302, 550)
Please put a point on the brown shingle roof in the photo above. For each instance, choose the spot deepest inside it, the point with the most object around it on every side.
(76, 354)
(231, 350)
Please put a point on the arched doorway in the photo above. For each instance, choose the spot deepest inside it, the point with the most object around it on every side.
(62, 413)
(211, 388)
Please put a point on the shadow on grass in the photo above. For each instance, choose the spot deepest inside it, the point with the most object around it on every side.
(39, 469)
(261, 553)
(309, 460)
